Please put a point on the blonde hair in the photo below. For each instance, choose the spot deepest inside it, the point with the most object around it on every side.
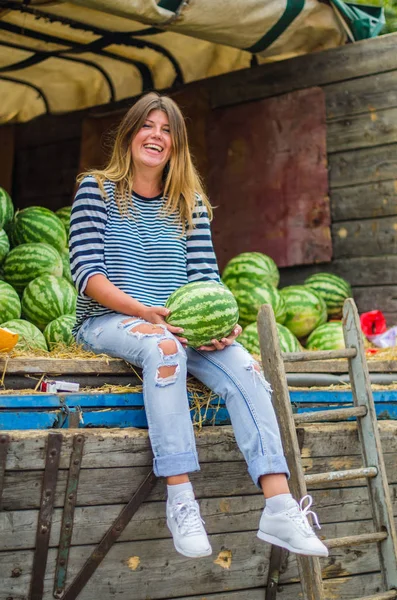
(182, 182)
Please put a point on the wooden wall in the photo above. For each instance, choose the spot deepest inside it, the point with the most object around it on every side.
(360, 86)
(142, 563)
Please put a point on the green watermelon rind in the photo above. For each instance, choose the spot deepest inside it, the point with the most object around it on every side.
(251, 297)
(10, 304)
(6, 209)
(59, 331)
(30, 337)
(64, 214)
(305, 309)
(38, 224)
(333, 289)
(66, 273)
(250, 340)
(251, 265)
(328, 336)
(4, 245)
(46, 298)
(28, 261)
(206, 310)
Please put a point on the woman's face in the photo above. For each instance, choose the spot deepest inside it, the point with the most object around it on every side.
(151, 147)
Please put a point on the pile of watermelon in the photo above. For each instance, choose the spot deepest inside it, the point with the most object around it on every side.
(37, 295)
(307, 315)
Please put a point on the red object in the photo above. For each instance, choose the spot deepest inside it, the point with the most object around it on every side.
(373, 323)
(371, 350)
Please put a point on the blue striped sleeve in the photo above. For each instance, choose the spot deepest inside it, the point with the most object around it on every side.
(201, 260)
(87, 230)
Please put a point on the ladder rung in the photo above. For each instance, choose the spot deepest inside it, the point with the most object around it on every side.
(330, 415)
(318, 355)
(346, 475)
(356, 540)
(382, 596)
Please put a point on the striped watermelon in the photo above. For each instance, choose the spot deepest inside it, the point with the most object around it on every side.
(46, 298)
(6, 208)
(10, 304)
(327, 337)
(251, 265)
(250, 339)
(64, 214)
(305, 309)
(38, 224)
(250, 297)
(59, 331)
(205, 309)
(28, 261)
(288, 342)
(30, 337)
(66, 265)
(333, 289)
(4, 245)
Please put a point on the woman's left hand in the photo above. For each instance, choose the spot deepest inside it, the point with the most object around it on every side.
(221, 344)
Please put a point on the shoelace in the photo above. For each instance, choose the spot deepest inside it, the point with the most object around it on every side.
(300, 514)
(187, 517)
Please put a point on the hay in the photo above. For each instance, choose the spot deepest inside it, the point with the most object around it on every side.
(59, 351)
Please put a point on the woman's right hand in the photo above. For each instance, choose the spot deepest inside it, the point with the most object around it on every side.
(156, 315)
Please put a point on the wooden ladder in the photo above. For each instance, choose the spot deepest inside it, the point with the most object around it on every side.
(373, 468)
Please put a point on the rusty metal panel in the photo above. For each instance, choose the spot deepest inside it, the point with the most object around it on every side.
(268, 177)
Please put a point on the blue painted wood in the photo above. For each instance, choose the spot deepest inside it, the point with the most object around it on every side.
(126, 410)
(93, 418)
(93, 400)
(339, 396)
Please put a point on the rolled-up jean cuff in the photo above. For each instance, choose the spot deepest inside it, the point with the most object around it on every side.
(176, 464)
(266, 465)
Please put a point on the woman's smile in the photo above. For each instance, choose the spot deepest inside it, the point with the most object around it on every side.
(151, 147)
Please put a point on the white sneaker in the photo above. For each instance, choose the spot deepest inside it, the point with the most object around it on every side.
(186, 525)
(290, 529)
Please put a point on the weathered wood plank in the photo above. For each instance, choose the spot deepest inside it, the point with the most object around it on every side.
(7, 148)
(130, 447)
(320, 68)
(142, 570)
(365, 201)
(341, 587)
(362, 166)
(48, 129)
(116, 485)
(370, 93)
(71, 366)
(222, 515)
(145, 569)
(111, 366)
(55, 163)
(340, 366)
(359, 271)
(369, 236)
(367, 130)
(379, 297)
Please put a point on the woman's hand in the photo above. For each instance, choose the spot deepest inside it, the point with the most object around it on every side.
(156, 315)
(221, 344)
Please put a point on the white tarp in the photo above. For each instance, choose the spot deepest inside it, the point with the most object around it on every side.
(62, 56)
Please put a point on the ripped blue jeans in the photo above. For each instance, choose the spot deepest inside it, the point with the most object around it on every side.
(231, 373)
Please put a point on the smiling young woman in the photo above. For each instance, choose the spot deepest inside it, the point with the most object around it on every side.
(140, 229)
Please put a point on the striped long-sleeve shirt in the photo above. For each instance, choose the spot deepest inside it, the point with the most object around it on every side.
(144, 255)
